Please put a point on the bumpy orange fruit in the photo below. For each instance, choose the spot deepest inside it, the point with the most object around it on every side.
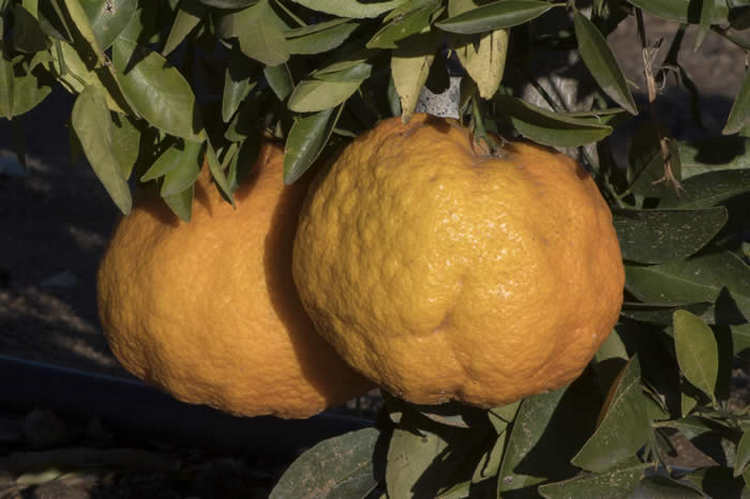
(441, 272)
(208, 311)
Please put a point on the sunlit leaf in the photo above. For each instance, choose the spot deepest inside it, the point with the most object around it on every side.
(416, 21)
(549, 128)
(265, 42)
(108, 18)
(697, 352)
(319, 41)
(317, 95)
(181, 203)
(306, 140)
(280, 80)
(410, 67)
(184, 22)
(484, 62)
(351, 8)
(493, 16)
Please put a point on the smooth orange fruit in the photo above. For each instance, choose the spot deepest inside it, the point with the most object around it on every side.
(208, 311)
(443, 273)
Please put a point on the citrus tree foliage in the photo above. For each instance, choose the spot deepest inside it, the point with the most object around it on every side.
(165, 86)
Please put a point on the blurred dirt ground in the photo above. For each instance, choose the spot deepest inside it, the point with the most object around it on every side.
(56, 219)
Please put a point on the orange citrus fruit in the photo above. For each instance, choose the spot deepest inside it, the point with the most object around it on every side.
(208, 311)
(444, 273)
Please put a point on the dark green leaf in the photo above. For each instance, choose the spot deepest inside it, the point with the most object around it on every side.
(612, 348)
(690, 426)
(234, 93)
(351, 8)
(338, 467)
(306, 140)
(549, 128)
(602, 63)
(713, 154)
(401, 27)
(697, 351)
(181, 203)
(658, 313)
(93, 126)
(656, 236)
(662, 487)
(228, 4)
(409, 456)
(108, 18)
(624, 427)
(530, 423)
(740, 338)
(218, 174)
(280, 80)
(680, 10)
(739, 116)
(156, 90)
(706, 18)
(317, 95)
(263, 42)
(742, 458)
(27, 34)
(647, 163)
(186, 171)
(616, 483)
(708, 189)
(495, 15)
(696, 280)
(7, 84)
(319, 41)
(184, 22)
(125, 144)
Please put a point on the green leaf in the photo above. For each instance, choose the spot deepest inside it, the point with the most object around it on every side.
(662, 487)
(699, 279)
(697, 352)
(410, 67)
(409, 456)
(320, 40)
(706, 17)
(7, 84)
(708, 189)
(318, 95)
(657, 236)
(740, 338)
(714, 154)
(181, 203)
(351, 8)
(616, 483)
(659, 313)
(742, 458)
(493, 16)
(416, 21)
(485, 61)
(624, 427)
(185, 21)
(228, 4)
(647, 164)
(602, 63)
(156, 90)
(307, 138)
(338, 467)
(217, 173)
(125, 144)
(237, 86)
(108, 18)
(680, 10)
(612, 348)
(27, 34)
(530, 423)
(179, 166)
(265, 42)
(690, 426)
(93, 52)
(280, 80)
(687, 404)
(93, 126)
(489, 465)
(549, 128)
(739, 117)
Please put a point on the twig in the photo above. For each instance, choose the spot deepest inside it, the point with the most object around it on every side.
(649, 55)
